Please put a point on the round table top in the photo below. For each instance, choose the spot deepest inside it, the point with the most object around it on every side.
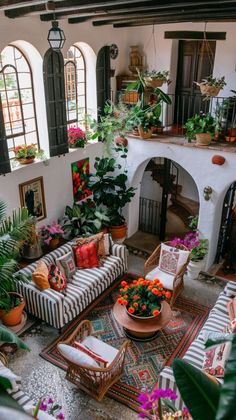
(145, 325)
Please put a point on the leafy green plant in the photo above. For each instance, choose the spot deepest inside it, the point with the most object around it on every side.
(29, 151)
(204, 398)
(14, 231)
(160, 75)
(200, 123)
(214, 81)
(85, 218)
(110, 191)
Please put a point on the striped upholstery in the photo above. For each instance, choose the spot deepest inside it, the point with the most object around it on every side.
(58, 309)
(19, 395)
(230, 289)
(217, 320)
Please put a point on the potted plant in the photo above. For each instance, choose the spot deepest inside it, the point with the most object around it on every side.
(155, 78)
(211, 86)
(110, 191)
(26, 154)
(202, 127)
(76, 138)
(13, 232)
(50, 234)
(143, 298)
(84, 219)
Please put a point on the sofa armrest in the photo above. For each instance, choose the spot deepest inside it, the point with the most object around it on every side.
(46, 304)
(121, 252)
(166, 381)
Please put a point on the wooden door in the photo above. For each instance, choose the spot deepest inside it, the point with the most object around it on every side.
(195, 62)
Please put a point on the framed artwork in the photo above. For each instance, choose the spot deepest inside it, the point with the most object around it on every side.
(32, 197)
(80, 179)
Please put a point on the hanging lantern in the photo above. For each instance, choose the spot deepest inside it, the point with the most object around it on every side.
(56, 37)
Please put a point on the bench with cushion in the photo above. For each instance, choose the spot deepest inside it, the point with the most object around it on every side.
(217, 320)
(57, 309)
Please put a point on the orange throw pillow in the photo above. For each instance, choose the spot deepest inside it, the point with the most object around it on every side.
(99, 237)
(86, 256)
(40, 276)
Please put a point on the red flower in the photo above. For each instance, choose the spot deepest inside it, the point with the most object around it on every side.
(143, 307)
(123, 283)
(135, 304)
(156, 312)
(131, 310)
(168, 295)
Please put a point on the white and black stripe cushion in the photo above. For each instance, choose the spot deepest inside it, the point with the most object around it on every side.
(230, 289)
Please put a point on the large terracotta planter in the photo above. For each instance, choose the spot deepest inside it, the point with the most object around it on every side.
(145, 134)
(13, 317)
(203, 139)
(118, 233)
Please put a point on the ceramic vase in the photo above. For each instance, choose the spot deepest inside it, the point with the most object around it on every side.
(194, 268)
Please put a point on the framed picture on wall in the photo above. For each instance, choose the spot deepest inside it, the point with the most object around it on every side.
(32, 197)
(80, 179)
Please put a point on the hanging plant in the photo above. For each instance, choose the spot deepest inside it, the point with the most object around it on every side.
(211, 86)
(156, 78)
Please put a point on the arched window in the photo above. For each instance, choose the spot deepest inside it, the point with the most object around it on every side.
(75, 86)
(17, 97)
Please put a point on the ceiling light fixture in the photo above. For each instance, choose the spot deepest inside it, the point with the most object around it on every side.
(56, 36)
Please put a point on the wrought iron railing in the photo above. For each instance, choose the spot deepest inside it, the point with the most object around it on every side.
(174, 116)
(149, 215)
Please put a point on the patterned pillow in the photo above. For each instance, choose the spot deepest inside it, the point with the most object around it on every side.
(99, 237)
(66, 264)
(86, 256)
(56, 279)
(107, 243)
(231, 306)
(215, 359)
(99, 359)
(172, 259)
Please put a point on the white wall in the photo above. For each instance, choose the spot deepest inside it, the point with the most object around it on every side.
(57, 181)
(189, 189)
(197, 162)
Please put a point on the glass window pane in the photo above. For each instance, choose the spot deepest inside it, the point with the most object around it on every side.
(28, 111)
(26, 96)
(24, 80)
(30, 125)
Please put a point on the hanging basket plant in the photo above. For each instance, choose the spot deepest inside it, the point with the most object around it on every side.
(155, 78)
(211, 86)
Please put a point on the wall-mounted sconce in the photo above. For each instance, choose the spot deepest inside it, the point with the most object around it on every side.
(207, 193)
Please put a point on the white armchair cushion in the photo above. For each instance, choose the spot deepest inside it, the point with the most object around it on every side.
(166, 279)
(76, 356)
(8, 374)
(104, 350)
(172, 259)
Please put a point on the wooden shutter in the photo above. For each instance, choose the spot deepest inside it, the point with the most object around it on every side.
(5, 166)
(53, 70)
(103, 78)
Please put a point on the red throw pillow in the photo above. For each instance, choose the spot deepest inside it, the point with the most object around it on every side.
(86, 256)
(100, 361)
(56, 279)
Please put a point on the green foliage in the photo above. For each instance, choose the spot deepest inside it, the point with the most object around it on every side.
(200, 123)
(110, 191)
(7, 336)
(204, 398)
(85, 218)
(14, 231)
(214, 81)
(157, 75)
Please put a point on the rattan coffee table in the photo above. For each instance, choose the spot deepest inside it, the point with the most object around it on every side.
(142, 330)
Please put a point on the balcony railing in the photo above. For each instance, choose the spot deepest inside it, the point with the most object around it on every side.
(174, 116)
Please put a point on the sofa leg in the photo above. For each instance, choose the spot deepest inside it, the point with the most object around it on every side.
(59, 331)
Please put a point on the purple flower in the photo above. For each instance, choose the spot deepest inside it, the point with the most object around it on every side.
(50, 401)
(146, 406)
(141, 415)
(185, 411)
(60, 416)
(143, 398)
(43, 406)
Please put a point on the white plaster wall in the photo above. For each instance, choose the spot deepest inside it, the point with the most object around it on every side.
(197, 162)
(56, 177)
(149, 188)
(189, 189)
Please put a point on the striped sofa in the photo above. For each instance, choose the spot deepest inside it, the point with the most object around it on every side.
(216, 321)
(58, 309)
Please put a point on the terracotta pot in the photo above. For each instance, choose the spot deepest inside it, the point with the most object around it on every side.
(230, 139)
(121, 141)
(53, 244)
(232, 132)
(209, 90)
(154, 83)
(218, 160)
(143, 318)
(25, 161)
(203, 139)
(157, 130)
(13, 317)
(118, 233)
(135, 132)
(145, 134)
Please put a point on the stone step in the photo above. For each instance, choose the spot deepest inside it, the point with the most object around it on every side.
(191, 206)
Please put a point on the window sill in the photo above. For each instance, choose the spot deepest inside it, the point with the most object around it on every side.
(89, 144)
(15, 166)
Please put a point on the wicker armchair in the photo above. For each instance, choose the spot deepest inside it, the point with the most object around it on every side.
(177, 286)
(95, 381)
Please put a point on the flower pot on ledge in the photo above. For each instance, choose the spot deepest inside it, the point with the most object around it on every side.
(54, 243)
(23, 161)
(145, 134)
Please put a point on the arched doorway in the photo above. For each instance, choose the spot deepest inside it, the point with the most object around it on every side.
(168, 196)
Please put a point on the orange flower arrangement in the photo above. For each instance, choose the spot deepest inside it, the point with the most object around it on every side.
(143, 297)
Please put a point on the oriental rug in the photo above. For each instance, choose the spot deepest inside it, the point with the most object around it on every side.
(144, 360)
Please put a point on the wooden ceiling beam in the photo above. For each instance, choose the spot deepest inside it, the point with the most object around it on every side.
(66, 5)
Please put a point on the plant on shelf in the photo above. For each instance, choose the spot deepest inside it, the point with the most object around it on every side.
(76, 138)
(50, 234)
(84, 219)
(211, 86)
(143, 298)
(27, 153)
(110, 191)
(14, 231)
(206, 399)
(202, 127)
(159, 405)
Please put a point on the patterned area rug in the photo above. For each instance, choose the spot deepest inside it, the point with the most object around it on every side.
(145, 360)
